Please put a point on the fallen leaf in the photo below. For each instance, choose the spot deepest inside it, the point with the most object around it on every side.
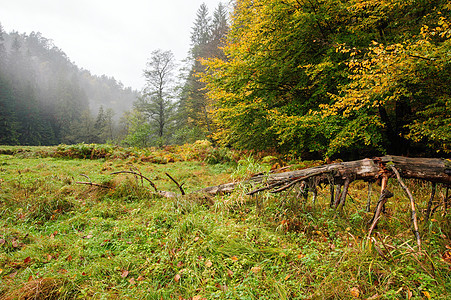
(15, 244)
(89, 236)
(198, 297)
(49, 257)
(355, 292)
(196, 238)
(230, 273)
(208, 263)
(234, 258)
(30, 278)
(124, 273)
(180, 264)
(1, 271)
(84, 274)
(409, 294)
(287, 277)
(52, 236)
(27, 260)
(177, 278)
(63, 271)
(69, 258)
(255, 270)
(221, 287)
(13, 274)
(426, 294)
(132, 280)
(140, 278)
(447, 256)
(2, 241)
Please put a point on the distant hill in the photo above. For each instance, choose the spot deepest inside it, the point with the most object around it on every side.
(47, 99)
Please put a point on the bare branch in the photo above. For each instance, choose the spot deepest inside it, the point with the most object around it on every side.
(137, 174)
(178, 185)
(94, 184)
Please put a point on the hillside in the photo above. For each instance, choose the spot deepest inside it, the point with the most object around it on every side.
(46, 99)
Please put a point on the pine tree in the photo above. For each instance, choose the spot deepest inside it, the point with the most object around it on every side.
(206, 38)
(219, 29)
(201, 32)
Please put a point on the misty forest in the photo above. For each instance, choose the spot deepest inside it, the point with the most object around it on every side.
(312, 80)
(301, 150)
(47, 100)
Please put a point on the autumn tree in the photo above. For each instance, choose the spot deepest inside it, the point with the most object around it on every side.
(399, 84)
(278, 68)
(324, 78)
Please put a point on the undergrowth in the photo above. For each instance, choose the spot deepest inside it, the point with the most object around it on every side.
(63, 240)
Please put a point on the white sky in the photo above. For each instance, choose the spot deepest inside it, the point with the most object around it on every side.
(108, 37)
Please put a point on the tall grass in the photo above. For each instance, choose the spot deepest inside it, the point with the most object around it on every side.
(62, 240)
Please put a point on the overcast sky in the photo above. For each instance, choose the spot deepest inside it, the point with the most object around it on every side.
(108, 37)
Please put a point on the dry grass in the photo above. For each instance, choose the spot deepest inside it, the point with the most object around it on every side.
(38, 289)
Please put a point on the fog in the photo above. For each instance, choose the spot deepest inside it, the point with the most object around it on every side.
(108, 37)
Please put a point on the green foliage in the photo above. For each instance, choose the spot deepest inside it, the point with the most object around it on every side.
(84, 151)
(328, 78)
(138, 130)
(249, 166)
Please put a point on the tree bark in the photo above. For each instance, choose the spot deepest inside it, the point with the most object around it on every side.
(428, 169)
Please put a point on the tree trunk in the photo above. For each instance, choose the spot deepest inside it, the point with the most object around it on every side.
(429, 169)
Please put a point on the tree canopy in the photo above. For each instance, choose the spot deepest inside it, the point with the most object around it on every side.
(315, 78)
(328, 78)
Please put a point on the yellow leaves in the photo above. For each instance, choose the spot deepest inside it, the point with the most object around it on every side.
(442, 29)
(355, 292)
(426, 294)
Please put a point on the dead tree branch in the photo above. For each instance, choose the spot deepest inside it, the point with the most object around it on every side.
(178, 185)
(94, 184)
(139, 175)
(412, 204)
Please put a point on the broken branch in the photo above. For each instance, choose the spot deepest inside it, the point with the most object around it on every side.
(178, 185)
(412, 204)
(137, 174)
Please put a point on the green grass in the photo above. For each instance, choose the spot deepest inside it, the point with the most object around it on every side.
(64, 240)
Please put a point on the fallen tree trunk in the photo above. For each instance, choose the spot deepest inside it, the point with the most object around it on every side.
(430, 169)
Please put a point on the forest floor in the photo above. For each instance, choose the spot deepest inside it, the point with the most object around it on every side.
(61, 239)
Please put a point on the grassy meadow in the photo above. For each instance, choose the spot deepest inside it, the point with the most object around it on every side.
(62, 239)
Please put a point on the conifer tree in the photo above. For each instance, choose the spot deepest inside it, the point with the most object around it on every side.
(206, 38)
